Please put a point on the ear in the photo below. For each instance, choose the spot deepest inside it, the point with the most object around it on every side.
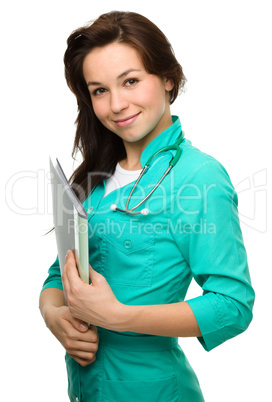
(168, 84)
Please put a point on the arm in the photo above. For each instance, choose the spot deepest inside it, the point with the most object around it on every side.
(212, 244)
(80, 342)
(175, 319)
(214, 249)
(97, 303)
(50, 298)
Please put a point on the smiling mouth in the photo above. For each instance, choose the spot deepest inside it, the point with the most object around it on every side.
(127, 120)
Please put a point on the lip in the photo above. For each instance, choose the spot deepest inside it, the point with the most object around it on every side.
(127, 120)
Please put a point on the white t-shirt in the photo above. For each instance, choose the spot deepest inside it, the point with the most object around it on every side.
(120, 178)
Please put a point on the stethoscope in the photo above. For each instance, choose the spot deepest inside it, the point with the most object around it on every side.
(172, 163)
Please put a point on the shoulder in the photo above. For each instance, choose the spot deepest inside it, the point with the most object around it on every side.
(200, 179)
(196, 166)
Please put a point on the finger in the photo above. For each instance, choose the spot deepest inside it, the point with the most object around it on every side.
(83, 347)
(65, 279)
(83, 362)
(79, 324)
(67, 259)
(92, 335)
(90, 273)
(71, 271)
(94, 275)
(86, 337)
(82, 354)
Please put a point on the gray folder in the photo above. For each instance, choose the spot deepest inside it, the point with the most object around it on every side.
(70, 221)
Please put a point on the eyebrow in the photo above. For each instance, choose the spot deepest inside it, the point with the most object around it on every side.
(119, 76)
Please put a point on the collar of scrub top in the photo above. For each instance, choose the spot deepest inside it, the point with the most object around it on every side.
(164, 139)
(168, 138)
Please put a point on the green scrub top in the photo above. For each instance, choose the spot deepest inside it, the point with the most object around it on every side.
(192, 231)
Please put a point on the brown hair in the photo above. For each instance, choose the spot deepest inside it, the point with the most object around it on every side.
(101, 149)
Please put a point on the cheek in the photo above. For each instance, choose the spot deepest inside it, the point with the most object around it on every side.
(153, 97)
(99, 109)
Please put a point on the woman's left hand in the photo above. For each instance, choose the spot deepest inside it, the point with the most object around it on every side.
(96, 303)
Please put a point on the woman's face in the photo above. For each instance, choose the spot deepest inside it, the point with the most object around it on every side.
(126, 99)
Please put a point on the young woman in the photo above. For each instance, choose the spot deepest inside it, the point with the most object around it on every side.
(145, 246)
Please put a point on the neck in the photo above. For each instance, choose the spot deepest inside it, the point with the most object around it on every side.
(132, 161)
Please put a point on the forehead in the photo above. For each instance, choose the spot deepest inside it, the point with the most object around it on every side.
(111, 60)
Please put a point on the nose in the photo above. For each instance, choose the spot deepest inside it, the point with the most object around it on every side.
(118, 101)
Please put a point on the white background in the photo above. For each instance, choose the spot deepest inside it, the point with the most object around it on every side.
(225, 50)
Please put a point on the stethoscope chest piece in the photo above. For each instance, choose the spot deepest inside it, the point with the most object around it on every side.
(144, 211)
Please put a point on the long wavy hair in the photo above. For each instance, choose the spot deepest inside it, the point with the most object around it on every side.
(100, 148)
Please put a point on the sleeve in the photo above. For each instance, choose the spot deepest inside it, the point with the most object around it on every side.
(212, 244)
(53, 279)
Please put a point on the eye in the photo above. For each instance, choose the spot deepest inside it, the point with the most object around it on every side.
(99, 91)
(130, 82)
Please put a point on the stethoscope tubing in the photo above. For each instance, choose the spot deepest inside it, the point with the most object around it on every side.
(172, 163)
